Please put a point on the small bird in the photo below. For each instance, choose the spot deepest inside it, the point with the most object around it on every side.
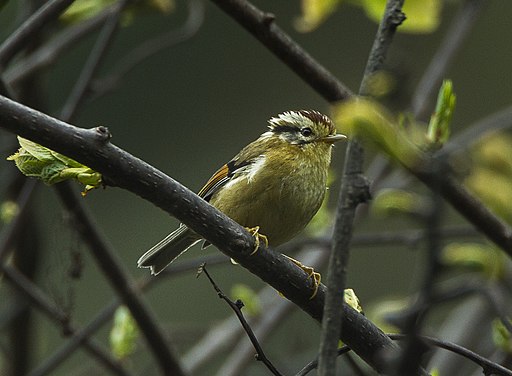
(273, 186)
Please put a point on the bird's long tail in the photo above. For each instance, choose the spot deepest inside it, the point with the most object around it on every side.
(168, 249)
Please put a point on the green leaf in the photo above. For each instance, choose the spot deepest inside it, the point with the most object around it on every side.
(440, 122)
(314, 13)
(491, 176)
(8, 210)
(391, 201)
(352, 300)
(82, 10)
(501, 336)
(481, 257)
(37, 161)
(124, 333)
(370, 122)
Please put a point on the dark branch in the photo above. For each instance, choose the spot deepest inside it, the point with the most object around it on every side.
(489, 367)
(91, 147)
(354, 190)
(262, 26)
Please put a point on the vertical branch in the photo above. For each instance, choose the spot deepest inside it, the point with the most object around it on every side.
(414, 349)
(354, 190)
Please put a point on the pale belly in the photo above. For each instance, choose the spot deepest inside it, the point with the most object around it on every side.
(280, 207)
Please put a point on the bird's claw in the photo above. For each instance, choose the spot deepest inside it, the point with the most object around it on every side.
(254, 231)
(316, 278)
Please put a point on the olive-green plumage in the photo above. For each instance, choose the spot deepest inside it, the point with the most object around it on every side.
(277, 183)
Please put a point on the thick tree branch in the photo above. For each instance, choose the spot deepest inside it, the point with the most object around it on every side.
(92, 147)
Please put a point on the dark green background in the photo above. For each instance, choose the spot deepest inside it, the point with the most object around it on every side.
(190, 108)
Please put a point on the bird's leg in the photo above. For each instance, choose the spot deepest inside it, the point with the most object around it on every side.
(315, 277)
(254, 231)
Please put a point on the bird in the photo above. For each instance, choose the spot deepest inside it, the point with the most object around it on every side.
(273, 186)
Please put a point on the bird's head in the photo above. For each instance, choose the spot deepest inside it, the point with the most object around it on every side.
(304, 127)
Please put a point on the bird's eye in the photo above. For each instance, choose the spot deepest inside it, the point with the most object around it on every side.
(306, 132)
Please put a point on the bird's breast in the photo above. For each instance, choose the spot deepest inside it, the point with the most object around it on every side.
(280, 196)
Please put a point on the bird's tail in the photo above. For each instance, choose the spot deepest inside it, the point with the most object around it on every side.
(168, 249)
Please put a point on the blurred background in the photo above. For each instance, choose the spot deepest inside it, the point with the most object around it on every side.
(187, 110)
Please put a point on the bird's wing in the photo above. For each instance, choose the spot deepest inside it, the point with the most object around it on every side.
(221, 177)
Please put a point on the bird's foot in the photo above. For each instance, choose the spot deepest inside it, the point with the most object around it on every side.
(254, 231)
(315, 277)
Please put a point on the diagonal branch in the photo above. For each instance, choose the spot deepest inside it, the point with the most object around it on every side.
(91, 147)
(261, 25)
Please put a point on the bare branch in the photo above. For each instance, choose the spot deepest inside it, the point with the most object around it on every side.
(261, 25)
(354, 190)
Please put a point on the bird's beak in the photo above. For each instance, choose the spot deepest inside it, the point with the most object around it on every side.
(331, 139)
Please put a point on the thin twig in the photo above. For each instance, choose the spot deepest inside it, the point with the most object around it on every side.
(460, 27)
(354, 190)
(489, 367)
(274, 311)
(237, 308)
(32, 26)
